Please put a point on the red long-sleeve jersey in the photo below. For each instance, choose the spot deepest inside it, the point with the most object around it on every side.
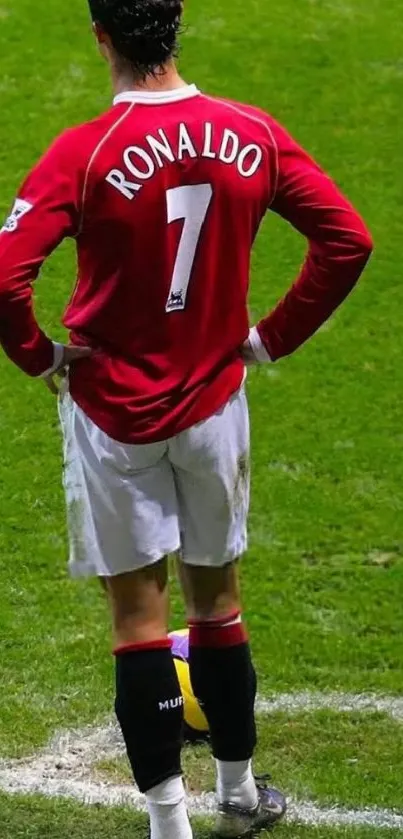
(164, 195)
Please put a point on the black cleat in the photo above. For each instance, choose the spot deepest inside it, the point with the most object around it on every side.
(235, 823)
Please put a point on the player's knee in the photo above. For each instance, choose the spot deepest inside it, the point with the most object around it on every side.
(139, 602)
(210, 593)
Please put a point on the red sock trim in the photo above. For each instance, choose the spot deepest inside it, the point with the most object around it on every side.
(162, 644)
(214, 622)
(213, 636)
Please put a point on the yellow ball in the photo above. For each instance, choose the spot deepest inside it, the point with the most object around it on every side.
(194, 717)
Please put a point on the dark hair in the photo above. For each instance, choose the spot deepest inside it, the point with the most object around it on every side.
(143, 32)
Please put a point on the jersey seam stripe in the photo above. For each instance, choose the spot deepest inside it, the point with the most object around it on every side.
(94, 155)
(238, 110)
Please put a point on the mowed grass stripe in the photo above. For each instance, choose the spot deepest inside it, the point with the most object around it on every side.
(325, 565)
(29, 817)
(350, 759)
(316, 756)
(299, 812)
(323, 579)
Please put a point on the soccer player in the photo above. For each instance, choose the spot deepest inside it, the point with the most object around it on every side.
(164, 195)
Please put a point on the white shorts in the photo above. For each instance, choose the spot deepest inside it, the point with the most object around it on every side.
(130, 505)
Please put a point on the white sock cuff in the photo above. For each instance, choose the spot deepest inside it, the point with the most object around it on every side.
(169, 792)
(236, 784)
(234, 771)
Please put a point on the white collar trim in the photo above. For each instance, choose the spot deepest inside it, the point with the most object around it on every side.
(151, 97)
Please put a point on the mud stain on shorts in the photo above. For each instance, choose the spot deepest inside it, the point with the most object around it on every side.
(241, 480)
(76, 526)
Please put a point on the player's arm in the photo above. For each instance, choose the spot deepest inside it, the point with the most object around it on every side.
(339, 248)
(45, 212)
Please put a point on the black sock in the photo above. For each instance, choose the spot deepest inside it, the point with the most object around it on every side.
(224, 681)
(149, 707)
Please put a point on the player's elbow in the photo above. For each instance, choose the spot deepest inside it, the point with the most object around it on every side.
(366, 244)
(360, 243)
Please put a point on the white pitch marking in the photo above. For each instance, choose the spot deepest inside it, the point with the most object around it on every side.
(26, 780)
(306, 702)
(302, 812)
(66, 768)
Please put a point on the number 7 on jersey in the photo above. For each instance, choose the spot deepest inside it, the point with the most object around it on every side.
(190, 203)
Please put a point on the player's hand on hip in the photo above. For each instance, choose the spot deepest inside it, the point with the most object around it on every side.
(247, 354)
(71, 354)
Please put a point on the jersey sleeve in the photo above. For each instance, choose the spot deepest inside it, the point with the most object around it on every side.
(339, 246)
(45, 212)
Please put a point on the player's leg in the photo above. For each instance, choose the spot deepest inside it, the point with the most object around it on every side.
(149, 704)
(212, 476)
(223, 675)
(123, 520)
(224, 681)
(212, 472)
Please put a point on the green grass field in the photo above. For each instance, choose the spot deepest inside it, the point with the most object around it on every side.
(323, 581)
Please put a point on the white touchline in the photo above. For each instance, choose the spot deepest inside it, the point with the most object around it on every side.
(67, 768)
(307, 701)
(302, 812)
(26, 780)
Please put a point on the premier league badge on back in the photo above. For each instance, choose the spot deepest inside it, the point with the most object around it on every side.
(20, 209)
(176, 301)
